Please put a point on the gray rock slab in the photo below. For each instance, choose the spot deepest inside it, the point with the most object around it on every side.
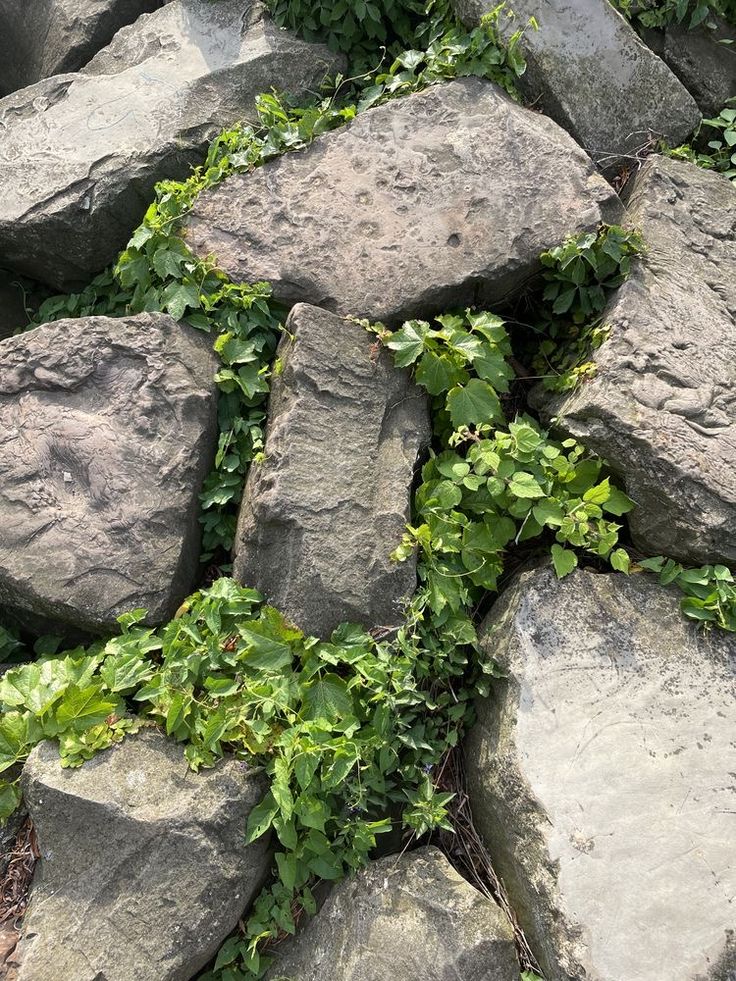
(39, 38)
(406, 918)
(143, 870)
(705, 65)
(424, 203)
(325, 509)
(601, 775)
(107, 430)
(588, 70)
(80, 153)
(662, 408)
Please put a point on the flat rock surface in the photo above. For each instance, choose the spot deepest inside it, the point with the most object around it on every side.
(427, 202)
(322, 514)
(407, 918)
(662, 407)
(601, 774)
(107, 431)
(80, 153)
(39, 38)
(143, 870)
(588, 70)
(704, 59)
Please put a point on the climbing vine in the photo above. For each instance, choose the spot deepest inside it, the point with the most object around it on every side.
(350, 730)
(690, 13)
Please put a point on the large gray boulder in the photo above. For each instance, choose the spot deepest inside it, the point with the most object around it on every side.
(423, 203)
(601, 775)
(80, 154)
(588, 70)
(327, 506)
(107, 431)
(39, 38)
(704, 59)
(143, 870)
(407, 918)
(661, 409)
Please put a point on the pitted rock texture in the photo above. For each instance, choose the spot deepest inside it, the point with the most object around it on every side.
(588, 70)
(143, 870)
(39, 38)
(407, 918)
(703, 58)
(323, 512)
(80, 154)
(601, 774)
(424, 203)
(662, 408)
(107, 431)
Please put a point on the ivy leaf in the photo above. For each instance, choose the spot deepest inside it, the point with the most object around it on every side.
(263, 653)
(438, 374)
(473, 404)
(620, 560)
(177, 297)
(524, 485)
(84, 707)
(327, 698)
(261, 818)
(563, 560)
(408, 343)
(617, 502)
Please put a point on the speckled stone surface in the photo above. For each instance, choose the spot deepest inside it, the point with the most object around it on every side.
(602, 775)
(587, 68)
(80, 153)
(107, 431)
(427, 202)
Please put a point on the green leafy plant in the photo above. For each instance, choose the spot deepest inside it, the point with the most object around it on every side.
(710, 591)
(691, 13)
(567, 313)
(720, 154)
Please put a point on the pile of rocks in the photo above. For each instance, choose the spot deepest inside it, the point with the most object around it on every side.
(601, 768)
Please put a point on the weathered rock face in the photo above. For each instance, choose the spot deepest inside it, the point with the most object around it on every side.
(601, 775)
(322, 514)
(704, 64)
(143, 869)
(661, 409)
(39, 38)
(107, 431)
(428, 201)
(80, 154)
(588, 70)
(407, 918)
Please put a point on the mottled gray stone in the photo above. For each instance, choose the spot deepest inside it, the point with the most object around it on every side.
(403, 918)
(39, 38)
(704, 65)
(107, 431)
(143, 869)
(662, 408)
(80, 153)
(601, 775)
(425, 202)
(588, 70)
(325, 509)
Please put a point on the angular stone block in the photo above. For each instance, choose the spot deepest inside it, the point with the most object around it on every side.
(424, 203)
(323, 512)
(107, 430)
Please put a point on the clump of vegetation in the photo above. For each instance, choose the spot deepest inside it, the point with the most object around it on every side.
(691, 13)
(564, 316)
(718, 153)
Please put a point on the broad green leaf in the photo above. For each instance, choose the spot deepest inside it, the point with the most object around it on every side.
(327, 698)
(563, 560)
(408, 343)
(473, 404)
(83, 708)
(524, 485)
